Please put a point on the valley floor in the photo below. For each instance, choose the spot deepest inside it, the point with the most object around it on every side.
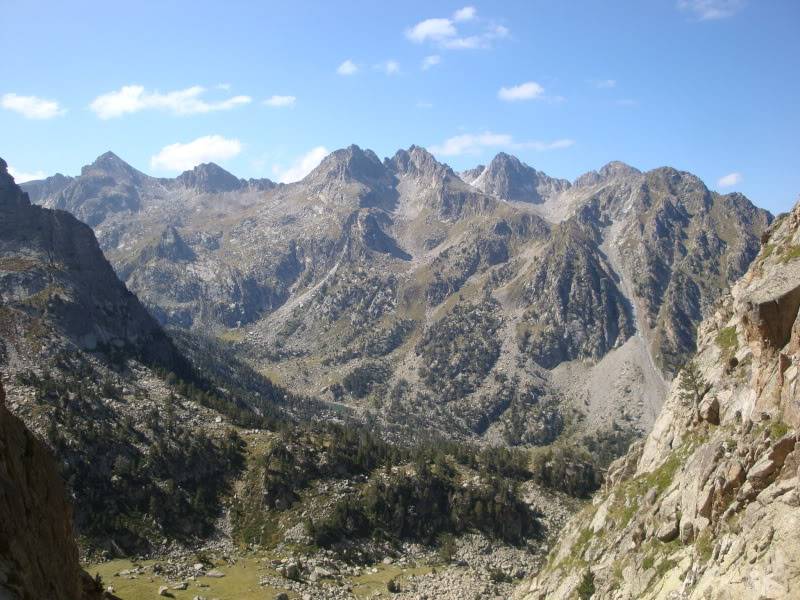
(259, 575)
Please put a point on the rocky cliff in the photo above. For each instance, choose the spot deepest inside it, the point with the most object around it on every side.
(38, 555)
(708, 505)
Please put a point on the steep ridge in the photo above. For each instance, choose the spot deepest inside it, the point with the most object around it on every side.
(53, 271)
(353, 271)
(140, 434)
(38, 555)
(708, 505)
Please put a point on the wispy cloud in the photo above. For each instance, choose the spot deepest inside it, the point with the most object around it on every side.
(465, 14)
(430, 61)
(530, 90)
(181, 157)
(302, 166)
(627, 102)
(605, 84)
(730, 180)
(22, 176)
(469, 143)
(390, 67)
(280, 101)
(348, 67)
(134, 98)
(711, 10)
(32, 107)
(443, 32)
(424, 104)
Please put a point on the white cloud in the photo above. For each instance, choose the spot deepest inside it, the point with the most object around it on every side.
(443, 32)
(730, 180)
(32, 107)
(468, 143)
(22, 176)
(605, 84)
(709, 10)
(465, 14)
(280, 101)
(182, 157)
(529, 90)
(390, 67)
(481, 40)
(431, 61)
(348, 67)
(423, 104)
(435, 30)
(302, 166)
(134, 98)
(627, 102)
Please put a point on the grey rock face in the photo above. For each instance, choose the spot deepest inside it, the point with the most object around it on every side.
(574, 307)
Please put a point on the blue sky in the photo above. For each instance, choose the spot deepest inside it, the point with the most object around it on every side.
(265, 88)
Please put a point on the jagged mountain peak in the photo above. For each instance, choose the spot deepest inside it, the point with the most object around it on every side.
(110, 165)
(617, 168)
(417, 161)
(210, 178)
(351, 163)
(470, 175)
(507, 177)
(612, 170)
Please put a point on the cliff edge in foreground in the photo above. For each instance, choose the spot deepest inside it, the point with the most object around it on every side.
(38, 555)
(708, 505)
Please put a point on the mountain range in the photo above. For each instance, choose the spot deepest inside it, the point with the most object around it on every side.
(498, 306)
(354, 283)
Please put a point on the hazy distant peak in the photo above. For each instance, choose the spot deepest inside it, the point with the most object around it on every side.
(616, 168)
(210, 178)
(611, 170)
(417, 161)
(472, 174)
(509, 178)
(348, 163)
(112, 165)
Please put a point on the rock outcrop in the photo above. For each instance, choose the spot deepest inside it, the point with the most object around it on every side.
(708, 505)
(38, 555)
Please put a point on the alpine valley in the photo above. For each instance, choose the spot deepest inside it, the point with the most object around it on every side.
(393, 379)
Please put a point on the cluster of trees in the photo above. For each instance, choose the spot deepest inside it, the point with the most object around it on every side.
(134, 484)
(360, 381)
(425, 502)
(459, 350)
